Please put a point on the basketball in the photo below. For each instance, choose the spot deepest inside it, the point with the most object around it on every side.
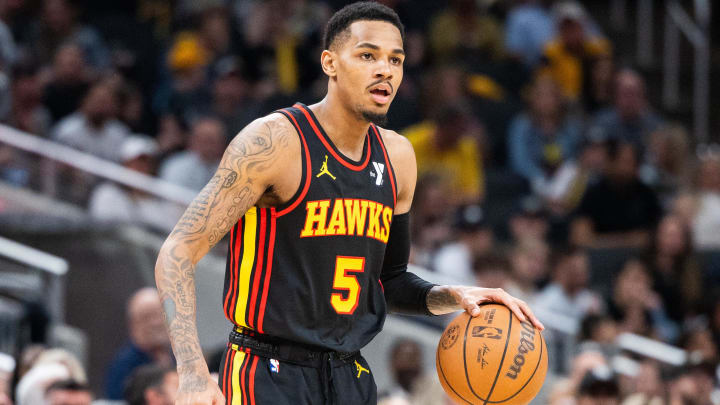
(491, 359)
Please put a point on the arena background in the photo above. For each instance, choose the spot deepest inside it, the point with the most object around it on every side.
(566, 153)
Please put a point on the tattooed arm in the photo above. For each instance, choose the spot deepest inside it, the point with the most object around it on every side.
(245, 174)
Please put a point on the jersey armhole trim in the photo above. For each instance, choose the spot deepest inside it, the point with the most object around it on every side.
(391, 172)
(300, 194)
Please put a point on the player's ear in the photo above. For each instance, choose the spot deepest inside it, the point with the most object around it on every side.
(328, 61)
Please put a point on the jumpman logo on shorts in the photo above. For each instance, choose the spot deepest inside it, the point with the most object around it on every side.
(324, 169)
(360, 369)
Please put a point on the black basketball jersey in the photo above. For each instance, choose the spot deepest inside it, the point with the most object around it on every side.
(309, 271)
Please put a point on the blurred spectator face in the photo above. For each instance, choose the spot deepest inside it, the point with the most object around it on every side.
(529, 261)
(672, 236)
(623, 168)
(69, 397)
(545, 97)
(215, 31)
(572, 34)
(69, 63)
(406, 363)
(208, 139)
(147, 325)
(58, 15)
(166, 393)
(630, 95)
(525, 226)
(100, 104)
(598, 400)
(27, 89)
(230, 89)
(492, 274)
(171, 135)
(573, 271)
(450, 129)
(648, 380)
(633, 284)
(709, 174)
(701, 346)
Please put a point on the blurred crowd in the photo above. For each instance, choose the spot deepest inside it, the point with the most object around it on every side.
(544, 168)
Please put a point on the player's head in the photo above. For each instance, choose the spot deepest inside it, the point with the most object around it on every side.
(363, 58)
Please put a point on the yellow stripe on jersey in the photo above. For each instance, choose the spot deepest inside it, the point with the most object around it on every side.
(238, 360)
(248, 259)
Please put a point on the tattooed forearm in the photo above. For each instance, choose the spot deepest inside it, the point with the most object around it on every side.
(441, 301)
(176, 284)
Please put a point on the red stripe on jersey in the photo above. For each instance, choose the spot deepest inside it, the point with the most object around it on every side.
(231, 286)
(266, 284)
(381, 286)
(308, 167)
(258, 268)
(252, 380)
(224, 372)
(236, 267)
(228, 377)
(242, 379)
(330, 149)
(387, 162)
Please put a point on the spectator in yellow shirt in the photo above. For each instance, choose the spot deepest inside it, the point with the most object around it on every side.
(448, 146)
(569, 56)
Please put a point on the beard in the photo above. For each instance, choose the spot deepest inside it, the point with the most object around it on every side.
(379, 119)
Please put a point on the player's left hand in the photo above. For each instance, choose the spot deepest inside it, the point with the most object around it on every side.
(470, 297)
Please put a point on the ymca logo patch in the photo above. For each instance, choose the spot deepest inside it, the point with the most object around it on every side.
(274, 366)
(378, 173)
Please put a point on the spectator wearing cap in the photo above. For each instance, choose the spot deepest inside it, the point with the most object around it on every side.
(194, 167)
(187, 90)
(575, 47)
(68, 392)
(474, 238)
(544, 139)
(529, 220)
(149, 342)
(449, 147)
(230, 97)
(94, 128)
(152, 385)
(630, 119)
(114, 203)
(619, 210)
(599, 386)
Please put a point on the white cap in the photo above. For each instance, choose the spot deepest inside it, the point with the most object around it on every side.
(7, 363)
(569, 10)
(137, 145)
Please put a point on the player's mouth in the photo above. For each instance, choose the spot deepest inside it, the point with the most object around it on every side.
(381, 93)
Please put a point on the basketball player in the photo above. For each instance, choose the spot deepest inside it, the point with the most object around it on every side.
(316, 200)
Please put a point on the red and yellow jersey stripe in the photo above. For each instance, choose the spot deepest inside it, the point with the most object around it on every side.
(249, 266)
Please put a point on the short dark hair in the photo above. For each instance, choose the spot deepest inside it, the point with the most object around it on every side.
(67, 385)
(144, 378)
(359, 11)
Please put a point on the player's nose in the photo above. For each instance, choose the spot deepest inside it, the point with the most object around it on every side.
(382, 69)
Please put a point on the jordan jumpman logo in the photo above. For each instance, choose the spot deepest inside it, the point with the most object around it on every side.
(324, 169)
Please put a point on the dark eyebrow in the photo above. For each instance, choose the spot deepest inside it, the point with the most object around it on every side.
(377, 48)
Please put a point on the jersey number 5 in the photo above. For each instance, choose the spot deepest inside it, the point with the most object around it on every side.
(344, 280)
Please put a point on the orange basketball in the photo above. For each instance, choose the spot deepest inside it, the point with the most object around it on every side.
(491, 359)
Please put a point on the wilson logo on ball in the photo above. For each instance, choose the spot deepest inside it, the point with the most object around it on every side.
(527, 337)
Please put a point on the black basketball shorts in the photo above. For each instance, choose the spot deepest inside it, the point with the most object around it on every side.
(251, 379)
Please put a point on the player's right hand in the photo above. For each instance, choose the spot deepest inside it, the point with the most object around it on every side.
(199, 390)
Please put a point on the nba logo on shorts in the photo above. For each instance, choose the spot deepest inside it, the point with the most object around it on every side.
(274, 366)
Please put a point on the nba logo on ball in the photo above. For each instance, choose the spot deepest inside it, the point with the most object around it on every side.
(492, 358)
(274, 366)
